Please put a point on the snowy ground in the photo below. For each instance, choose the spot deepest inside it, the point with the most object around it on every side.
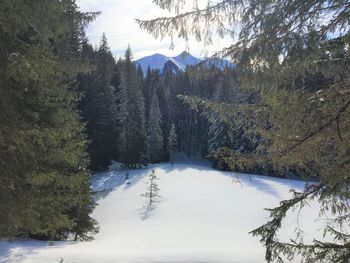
(202, 216)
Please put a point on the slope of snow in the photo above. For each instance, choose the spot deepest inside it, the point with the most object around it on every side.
(203, 215)
(187, 59)
(178, 64)
(155, 61)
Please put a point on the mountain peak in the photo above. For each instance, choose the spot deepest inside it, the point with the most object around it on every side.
(184, 54)
(187, 59)
(178, 63)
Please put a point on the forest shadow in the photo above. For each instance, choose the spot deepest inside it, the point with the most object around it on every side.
(263, 182)
(146, 211)
(104, 183)
(18, 250)
(182, 166)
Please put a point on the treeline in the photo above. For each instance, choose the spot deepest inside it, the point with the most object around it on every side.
(124, 122)
(129, 113)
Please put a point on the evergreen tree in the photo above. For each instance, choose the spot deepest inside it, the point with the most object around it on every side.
(154, 133)
(152, 191)
(279, 44)
(163, 95)
(131, 115)
(172, 143)
(218, 134)
(99, 107)
(148, 91)
(218, 131)
(44, 182)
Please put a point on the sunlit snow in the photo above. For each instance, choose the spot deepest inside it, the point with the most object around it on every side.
(203, 215)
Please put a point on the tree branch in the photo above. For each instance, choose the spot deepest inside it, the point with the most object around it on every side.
(336, 118)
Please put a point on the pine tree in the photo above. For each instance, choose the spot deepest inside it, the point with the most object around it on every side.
(148, 91)
(163, 95)
(99, 107)
(218, 131)
(152, 191)
(154, 133)
(172, 143)
(131, 115)
(44, 181)
(218, 134)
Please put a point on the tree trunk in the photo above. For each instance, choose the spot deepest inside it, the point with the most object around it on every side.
(172, 158)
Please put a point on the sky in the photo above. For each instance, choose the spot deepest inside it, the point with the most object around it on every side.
(117, 21)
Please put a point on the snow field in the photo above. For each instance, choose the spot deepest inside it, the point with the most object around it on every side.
(203, 215)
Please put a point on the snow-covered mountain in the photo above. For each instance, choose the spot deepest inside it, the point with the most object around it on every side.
(187, 59)
(155, 61)
(178, 63)
(173, 67)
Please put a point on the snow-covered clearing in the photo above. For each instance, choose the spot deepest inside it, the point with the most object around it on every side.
(202, 216)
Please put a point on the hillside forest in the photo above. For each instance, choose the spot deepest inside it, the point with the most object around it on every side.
(68, 109)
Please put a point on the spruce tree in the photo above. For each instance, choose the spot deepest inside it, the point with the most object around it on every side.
(154, 133)
(218, 131)
(99, 107)
(148, 91)
(172, 143)
(218, 134)
(163, 94)
(152, 194)
(44, 181)
(131, 115)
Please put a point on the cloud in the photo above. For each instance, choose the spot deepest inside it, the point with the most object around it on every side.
(117, 20)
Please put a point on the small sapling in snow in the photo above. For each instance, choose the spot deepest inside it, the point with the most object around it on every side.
(153, 189)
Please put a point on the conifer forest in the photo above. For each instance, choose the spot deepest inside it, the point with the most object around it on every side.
(240, 153)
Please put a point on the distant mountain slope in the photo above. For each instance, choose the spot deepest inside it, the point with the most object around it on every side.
(155, 61)
(170, 65)
(187, 59)
(178, 63)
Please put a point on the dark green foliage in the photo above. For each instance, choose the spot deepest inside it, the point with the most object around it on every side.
(190, 128)
(155, 141)
(163, 94)
(172, 143)
(229, 160)
(203, 129)
(44, 182)
(131, 115)
(219, 136)
(98, 105)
